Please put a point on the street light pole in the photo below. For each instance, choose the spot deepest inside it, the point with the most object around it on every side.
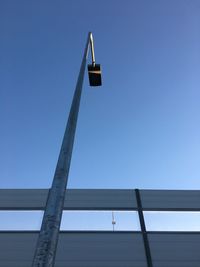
(48, 237)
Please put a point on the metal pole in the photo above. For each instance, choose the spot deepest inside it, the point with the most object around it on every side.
(143, 229)
(48, 237)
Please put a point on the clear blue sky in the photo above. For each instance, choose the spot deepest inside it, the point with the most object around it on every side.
(140, 129)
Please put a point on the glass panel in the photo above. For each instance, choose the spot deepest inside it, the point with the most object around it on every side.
(20, 220)
(72, 220)
(100, 220)
(172, 221)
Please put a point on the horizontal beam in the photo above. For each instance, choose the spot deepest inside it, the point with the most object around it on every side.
(9, 232)
(170, 200)
(75, 199)
(103, 199)
(23, 199)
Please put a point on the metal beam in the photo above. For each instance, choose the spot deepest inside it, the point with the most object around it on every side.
(143, 229)
(103, 199)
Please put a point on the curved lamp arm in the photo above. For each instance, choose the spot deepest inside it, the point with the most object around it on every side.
(94, 70)
(92, 48)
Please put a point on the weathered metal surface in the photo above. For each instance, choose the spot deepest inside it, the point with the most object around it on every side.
(48, 237)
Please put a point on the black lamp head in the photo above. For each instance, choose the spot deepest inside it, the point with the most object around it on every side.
(94, 72)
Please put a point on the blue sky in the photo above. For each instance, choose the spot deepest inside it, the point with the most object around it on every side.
(141, 129)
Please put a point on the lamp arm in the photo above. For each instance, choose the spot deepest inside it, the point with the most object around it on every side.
(92, 48)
